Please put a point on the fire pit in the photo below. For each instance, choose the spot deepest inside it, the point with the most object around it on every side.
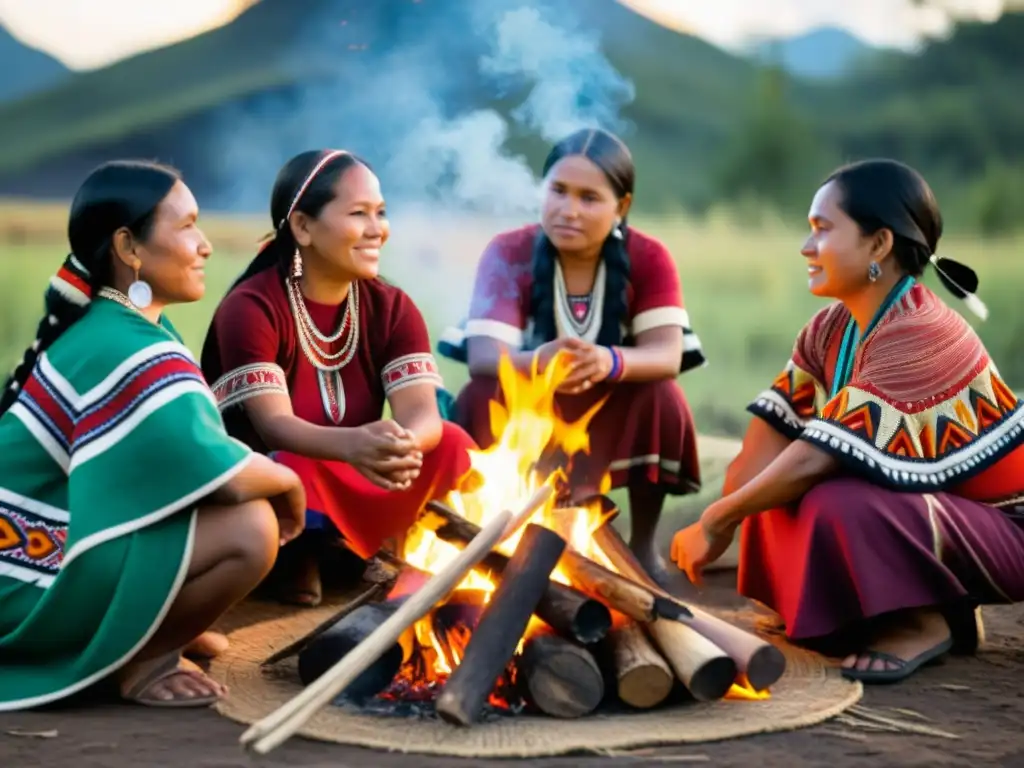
(545, 612)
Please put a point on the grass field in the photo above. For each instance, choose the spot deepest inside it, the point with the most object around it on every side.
(745, 290)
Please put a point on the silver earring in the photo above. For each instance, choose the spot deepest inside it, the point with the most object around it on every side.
(139, 292)
(296, 265)
(617, 229)
(874, 271)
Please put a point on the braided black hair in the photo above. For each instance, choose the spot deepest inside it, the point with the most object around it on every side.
(611, 155)
(887, 194)
(118, 194)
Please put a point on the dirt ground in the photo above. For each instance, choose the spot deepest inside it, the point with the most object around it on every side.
(978, 700)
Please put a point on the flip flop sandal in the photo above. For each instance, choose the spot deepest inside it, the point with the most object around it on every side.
(904, 668)
(136, 693)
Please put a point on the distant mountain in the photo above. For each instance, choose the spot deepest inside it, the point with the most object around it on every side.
(823, 53)
(33, 70)
(274, 80)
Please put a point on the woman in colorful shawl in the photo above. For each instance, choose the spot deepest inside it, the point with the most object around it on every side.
(129, 519)
(609, 295)
(880, 486)
(308, 347)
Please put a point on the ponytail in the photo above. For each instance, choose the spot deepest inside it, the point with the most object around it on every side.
(67, 298)
(961, 281)
(276, 251)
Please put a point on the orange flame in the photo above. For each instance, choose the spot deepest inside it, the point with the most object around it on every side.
(525, 428)
(742, 690)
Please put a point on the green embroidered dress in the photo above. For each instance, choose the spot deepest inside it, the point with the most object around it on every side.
(113, 441)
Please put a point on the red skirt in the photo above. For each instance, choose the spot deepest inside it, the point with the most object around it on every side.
(644, 433)
(367, 515)
(852, 551)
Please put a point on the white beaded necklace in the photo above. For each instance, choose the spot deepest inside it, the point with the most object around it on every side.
(309, 334)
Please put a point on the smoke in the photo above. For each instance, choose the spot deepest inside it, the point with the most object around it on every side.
(404, 93)
(573, 84)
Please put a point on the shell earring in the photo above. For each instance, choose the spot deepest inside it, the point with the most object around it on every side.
(874, 271)
(296, 265)
(139, 292)
(617, 229)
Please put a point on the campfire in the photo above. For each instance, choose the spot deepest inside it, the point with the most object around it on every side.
(544, 610)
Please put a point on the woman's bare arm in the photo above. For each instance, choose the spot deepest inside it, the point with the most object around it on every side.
(261, 478)
(414, 407)
(272, 417)
(762, 444)
(656, 355)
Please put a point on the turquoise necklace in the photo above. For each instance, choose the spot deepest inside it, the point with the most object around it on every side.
(852, 337)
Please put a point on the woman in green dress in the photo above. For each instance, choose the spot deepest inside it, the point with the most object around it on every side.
(129, 520)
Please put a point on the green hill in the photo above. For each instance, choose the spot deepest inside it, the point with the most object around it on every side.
(705, 125)
(685, 96)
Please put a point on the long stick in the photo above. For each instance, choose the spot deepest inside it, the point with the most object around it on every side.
(281, 724)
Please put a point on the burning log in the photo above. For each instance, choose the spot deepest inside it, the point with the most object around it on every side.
(279, 725)
(335, 643)
(705, 669)
(502, 624)
(643, 678)
(623, 595)
(375, 591)
(558, 677)
(758, 660)
(566, 610)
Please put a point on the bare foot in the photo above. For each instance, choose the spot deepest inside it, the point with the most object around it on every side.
(169, 681)
(304, 587)
(912, 634)
(208, 645)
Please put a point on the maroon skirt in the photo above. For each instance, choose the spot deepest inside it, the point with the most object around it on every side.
(644, 433)
(851, 551)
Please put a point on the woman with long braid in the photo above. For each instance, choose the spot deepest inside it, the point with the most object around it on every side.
(308, 347)
(608, 294)
(129, 519)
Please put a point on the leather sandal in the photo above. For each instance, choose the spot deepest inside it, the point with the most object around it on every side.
(902, 669)
(137, 688)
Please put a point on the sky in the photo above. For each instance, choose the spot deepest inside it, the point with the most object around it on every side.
(91, 33)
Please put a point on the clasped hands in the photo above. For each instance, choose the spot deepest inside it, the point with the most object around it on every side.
(385, 453)
(589, 363)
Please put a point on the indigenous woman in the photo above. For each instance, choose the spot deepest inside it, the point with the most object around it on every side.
(609, 295)
(881, 484)
(308, 347)
(129, 520)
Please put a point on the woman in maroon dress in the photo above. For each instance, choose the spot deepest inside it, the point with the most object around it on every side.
(585, 282)
(307, 347)
(880, 488)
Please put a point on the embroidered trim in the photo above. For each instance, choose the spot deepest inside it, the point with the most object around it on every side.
(247, 382)
(31, 545)
(856, 435)
(73, 428)
(410, 369)
(777, 411)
